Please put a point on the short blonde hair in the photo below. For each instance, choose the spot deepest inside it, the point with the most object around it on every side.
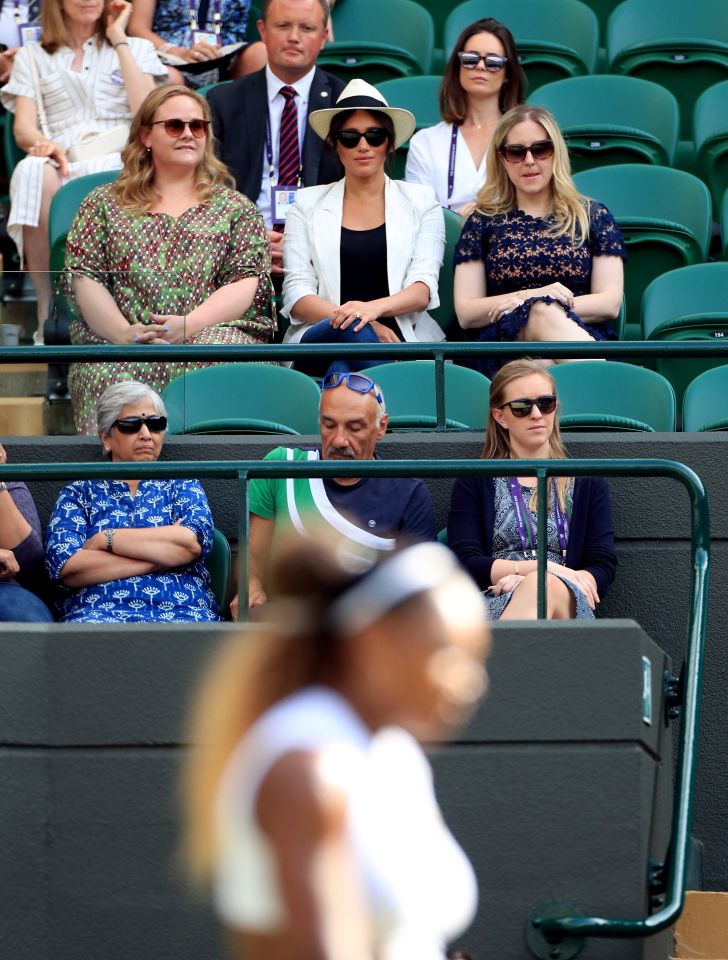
(135, 187)
(498, 195)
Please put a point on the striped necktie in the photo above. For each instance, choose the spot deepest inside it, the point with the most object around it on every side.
(34, 11)
(289, 158)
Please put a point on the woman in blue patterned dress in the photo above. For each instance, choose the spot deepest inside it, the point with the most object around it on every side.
(127, 551)
(492, 522)
(168, 24)
(536, 260)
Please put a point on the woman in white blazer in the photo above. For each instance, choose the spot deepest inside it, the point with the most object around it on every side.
(362, 256)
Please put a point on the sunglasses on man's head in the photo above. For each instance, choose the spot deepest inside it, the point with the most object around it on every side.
(469, 59)
(155, 424)
(176, 127)
(516, 152)
(523, 408)
(354, 381)
(374, 136)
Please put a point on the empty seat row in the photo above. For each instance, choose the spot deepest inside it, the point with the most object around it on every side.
(648, 39)
(251, 398)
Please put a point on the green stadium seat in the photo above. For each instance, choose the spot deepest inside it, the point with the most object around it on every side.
(439, 10)
(664, 215)
(205, 89)
(243, 398)
(64, 207)
(420, 96)
(219, 563)
(683, 47)
(409, 394)
(603, 9)
(710, 136)
(610, 119)
(687, 304)
(555, 40)
(403, 46)
(599, 395)
(705, 404)
(445, 313)
(13, 153)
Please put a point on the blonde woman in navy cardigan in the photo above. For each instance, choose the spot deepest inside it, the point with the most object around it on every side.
(492, 523)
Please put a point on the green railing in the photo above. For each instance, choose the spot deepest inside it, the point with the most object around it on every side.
(613, 350)
(553, 937)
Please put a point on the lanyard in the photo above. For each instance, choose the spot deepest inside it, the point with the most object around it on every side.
(201, 15)
(525, 526)
(451, 164)
(269, 155)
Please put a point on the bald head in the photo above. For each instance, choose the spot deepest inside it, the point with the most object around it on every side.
(350, 423)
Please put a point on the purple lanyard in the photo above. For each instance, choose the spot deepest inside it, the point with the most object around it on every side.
(216, 16)
(451, 165)
(269, 148)
(525, 527)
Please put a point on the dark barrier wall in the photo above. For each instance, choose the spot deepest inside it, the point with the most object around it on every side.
(652, 585)
(558, 789)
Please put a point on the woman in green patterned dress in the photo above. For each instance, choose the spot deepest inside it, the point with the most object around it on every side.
(167, 254)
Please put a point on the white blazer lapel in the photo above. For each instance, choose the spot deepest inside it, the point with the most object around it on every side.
(325, 230)
(400, 234)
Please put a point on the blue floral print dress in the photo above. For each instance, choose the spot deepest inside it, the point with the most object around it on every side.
(87, 506)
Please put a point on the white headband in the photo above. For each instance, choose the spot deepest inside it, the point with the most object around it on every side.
(406, 574)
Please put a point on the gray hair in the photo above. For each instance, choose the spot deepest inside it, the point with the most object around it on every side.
(381, 407)
(113, 400)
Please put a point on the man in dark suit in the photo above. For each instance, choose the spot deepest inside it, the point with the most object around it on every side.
(293, 31)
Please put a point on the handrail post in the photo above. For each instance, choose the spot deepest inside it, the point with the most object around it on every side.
(541, 543)
(441, 422)
(243, 547)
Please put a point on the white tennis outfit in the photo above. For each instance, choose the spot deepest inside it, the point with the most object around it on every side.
(420, 887)
(428, 159)
(91, 100)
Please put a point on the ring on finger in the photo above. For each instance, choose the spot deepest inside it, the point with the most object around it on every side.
(357, 315)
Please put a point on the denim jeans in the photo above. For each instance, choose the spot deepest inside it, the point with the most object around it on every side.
(323, 332)
(21, 606)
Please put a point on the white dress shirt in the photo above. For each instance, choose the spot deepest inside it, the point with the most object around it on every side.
(276, 102)
(428, 160)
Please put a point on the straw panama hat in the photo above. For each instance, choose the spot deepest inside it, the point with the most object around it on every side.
(360, 95)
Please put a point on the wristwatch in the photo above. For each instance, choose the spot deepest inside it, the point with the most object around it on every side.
(109, 534)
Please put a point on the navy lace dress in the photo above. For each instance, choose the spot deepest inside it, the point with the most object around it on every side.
(518, 253)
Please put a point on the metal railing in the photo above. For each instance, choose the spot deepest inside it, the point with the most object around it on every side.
(439, 352)
(560, 936)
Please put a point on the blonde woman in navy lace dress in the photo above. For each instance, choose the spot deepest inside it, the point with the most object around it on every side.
(536, 260)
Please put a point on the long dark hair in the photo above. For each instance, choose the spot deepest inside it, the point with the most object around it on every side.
(453, 100)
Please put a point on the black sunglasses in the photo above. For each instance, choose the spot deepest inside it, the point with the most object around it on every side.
(516, 152)
(155, 424)
(176, 127)
(491, 61)
(523, 408)
(354, 381)
(374, 136)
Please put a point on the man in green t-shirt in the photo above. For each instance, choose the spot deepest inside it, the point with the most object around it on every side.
(371, 513)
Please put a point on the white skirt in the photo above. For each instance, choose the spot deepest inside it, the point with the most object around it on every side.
(26, 186)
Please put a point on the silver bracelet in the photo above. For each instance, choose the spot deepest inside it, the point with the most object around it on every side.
(109, 534)
(164, 47)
